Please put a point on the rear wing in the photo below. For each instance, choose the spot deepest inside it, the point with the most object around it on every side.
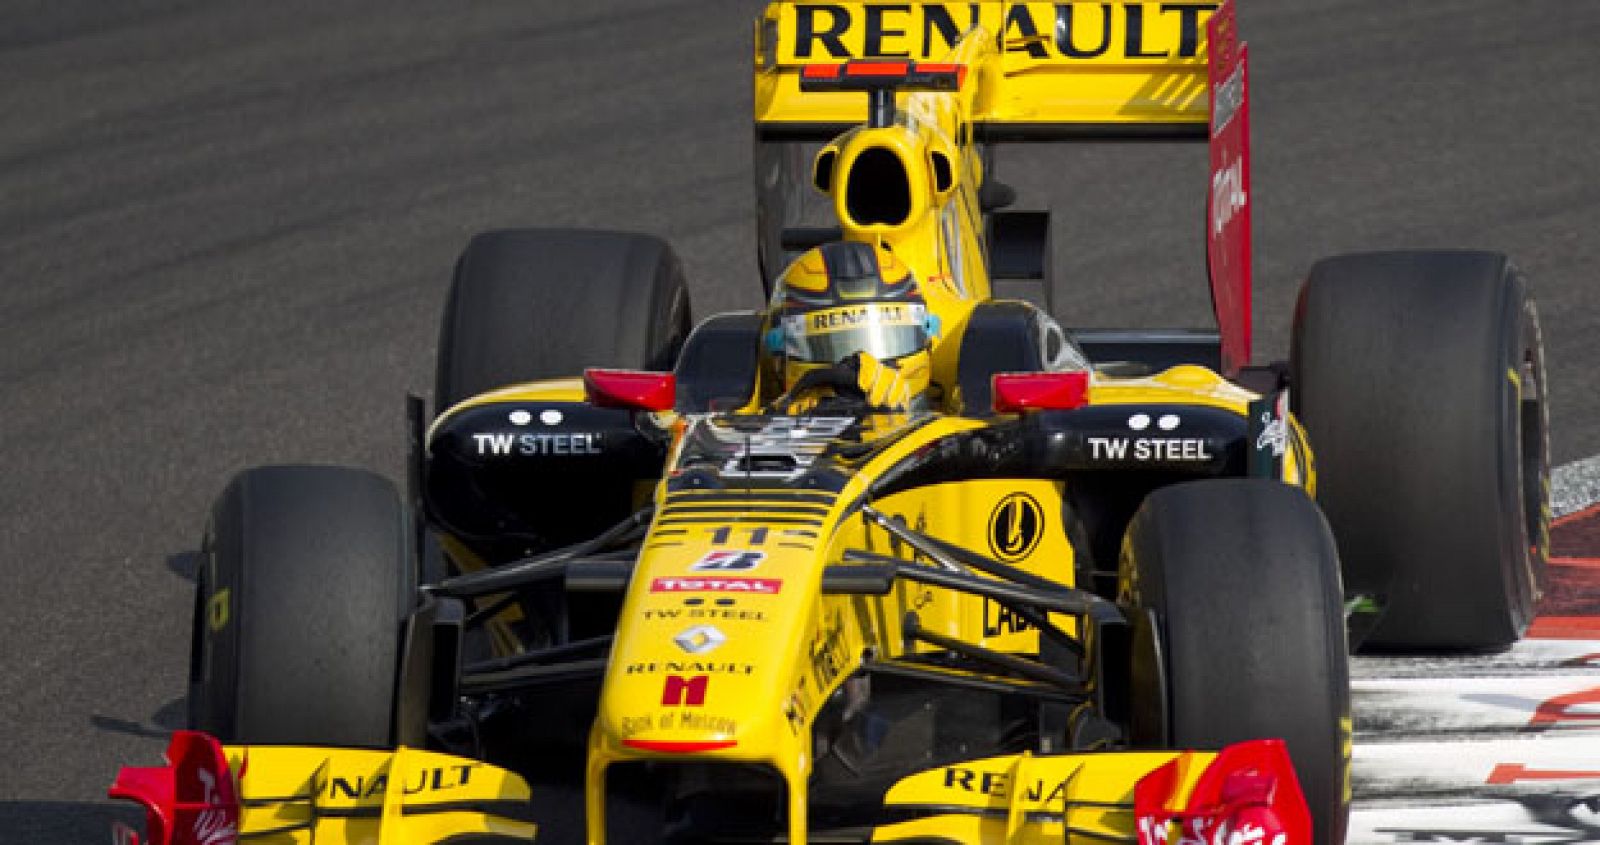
(1080, 69)
(1057, 71)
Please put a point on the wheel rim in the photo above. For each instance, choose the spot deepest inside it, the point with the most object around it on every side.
(1535, 456)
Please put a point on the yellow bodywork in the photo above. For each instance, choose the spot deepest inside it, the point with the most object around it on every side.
(293, 795)
(1023, 799)
(782, 645)
(1053, 66)
(726, 646)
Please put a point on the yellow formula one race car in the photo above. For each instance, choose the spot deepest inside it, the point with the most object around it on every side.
(897, 559)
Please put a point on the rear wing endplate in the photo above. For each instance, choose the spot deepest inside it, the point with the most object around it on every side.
(1228, 235)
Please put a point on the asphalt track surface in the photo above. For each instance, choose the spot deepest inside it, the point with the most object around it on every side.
(226, 229)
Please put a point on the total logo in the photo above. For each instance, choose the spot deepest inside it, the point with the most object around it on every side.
(1227, 196)
(700, 639)
(748, 586)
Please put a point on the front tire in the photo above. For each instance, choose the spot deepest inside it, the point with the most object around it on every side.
(530, 304)
(1243, 581)
(534, 304)
(306, 579)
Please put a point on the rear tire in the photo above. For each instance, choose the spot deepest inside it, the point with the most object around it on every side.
(1243, 578)
(306, 578)
(1419, 377)
(531, 304)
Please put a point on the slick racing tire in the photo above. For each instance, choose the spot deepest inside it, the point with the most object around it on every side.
(531, 304)
(1419, 377)
(1240, 580)
(306, 578)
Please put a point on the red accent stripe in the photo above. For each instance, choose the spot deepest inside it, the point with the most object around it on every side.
(1565, 628)
(870, 69)
(821, 71)
(877, 68)
(1569, 574)
(1592, 510)
(1509, 773)
(959, 70)
(667, 746)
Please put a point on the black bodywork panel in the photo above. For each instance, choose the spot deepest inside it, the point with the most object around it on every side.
(508, 477)
(1154, 349)
(1020, 256)
(1002, 336)
(717, 367)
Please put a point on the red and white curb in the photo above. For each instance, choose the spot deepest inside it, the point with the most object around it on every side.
(1499, 748)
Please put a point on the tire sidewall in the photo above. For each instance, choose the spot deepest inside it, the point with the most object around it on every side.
(299, 609)
(1252, 645)
(531, 304)
(1405, 374)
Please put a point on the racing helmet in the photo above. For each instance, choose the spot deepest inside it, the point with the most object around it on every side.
(846, 297)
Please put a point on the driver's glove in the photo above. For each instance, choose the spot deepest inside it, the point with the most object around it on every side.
(880, 382)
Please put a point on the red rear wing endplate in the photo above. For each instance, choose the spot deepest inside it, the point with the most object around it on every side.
(1228, 206)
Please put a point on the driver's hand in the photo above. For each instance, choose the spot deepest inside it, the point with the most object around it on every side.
(880, 382)
(802, 405)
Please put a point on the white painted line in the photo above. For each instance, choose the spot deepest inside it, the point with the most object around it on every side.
(1526, 658)
(1534, 820)
(1423, 772)
(1461, 708)
(1575, 486)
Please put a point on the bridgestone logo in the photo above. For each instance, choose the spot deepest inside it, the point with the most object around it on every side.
(749, 586)
(730, 559)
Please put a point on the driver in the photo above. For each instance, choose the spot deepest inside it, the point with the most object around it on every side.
(851, 327)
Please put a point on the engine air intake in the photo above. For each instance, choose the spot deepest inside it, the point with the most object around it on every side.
(877, 189)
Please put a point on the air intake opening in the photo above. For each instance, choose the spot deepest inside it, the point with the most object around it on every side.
(879, 190)
(822, 173)
(943, 176)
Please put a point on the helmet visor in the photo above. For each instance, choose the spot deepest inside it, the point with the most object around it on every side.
(884, 330)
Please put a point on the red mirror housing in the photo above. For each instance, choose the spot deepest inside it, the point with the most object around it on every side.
(634, 390)
(1014, 392)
